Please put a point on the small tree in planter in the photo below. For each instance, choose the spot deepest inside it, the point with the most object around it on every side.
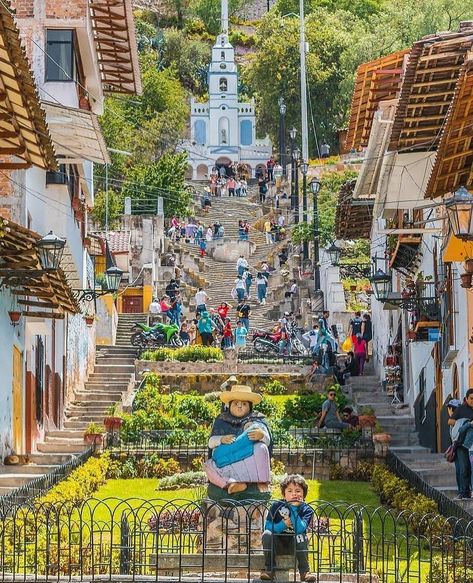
(380, 436)
(112, 421)
(367, 418)
(93, 435)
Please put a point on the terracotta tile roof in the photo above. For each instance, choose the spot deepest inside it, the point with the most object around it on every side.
(23, 129)
(376, 81)
(118, 241)
(454, 162)
(428, 87)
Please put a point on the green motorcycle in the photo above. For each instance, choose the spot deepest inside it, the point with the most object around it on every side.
(157, 335)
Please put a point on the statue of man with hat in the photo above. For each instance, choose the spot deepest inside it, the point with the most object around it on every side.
(239, 447)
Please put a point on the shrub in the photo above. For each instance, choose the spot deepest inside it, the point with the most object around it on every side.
(273, 387)
(80, 484)
(303, 410)
(199, 410)
(420, 512)
(184, 354)
(277, 467)
(184, 480)
(148, 466)
(268, 408)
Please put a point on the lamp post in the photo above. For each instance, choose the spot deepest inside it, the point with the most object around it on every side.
(381, 283)
(50, 250)
(315, 188)
(282, 134)
(297, 154)
(333, 253)
(304, 170)
(292, 135)
(459, 209)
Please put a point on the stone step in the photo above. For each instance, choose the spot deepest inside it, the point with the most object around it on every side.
(66, 434)
(85, 418)
(436, 477)
(17, 480)
(100, 377)
(27, 469)
(96, 396)
(410, 450)
(61, 447)
(64, 440)
(4, 490)
(50, 458)
(74, 423)
(111, 368)
(115, 361)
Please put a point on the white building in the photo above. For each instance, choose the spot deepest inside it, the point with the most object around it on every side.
(223, 130)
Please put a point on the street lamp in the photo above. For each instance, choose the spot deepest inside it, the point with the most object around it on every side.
(50, 250)
(292, 135)
(315, 188)
(304, 170)
(381, 284)
(113, 276)
(334, 254)
(282, 134)
(295, 158)
(459, 209)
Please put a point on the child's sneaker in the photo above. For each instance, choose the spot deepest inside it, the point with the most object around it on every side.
(309, 577)
(266, 576)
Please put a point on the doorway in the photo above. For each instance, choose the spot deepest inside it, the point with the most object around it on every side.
(132, 304)
(17, 390)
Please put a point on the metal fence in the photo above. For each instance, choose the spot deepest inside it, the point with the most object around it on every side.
(446, 505)
(158, 540)
(41, 485)
(250, 355)
(303, 450)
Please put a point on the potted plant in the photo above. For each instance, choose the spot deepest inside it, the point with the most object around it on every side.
(367, 418)
(112, 421)
(89, 319)
(466, 280)
(411, 335)
(14, 317)
(379, 436)
(93, 435)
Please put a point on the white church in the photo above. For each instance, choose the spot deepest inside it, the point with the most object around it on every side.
(223, 130)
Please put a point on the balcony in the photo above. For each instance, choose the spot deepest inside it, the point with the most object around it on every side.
(405, 257)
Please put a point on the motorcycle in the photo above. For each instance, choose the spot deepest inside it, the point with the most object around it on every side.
(157, 335)
(265, 342)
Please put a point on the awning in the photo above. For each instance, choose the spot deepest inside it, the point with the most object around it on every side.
(353, 217)
(405, 180)
(454, 163)
(429, 84)
(376, 81)
(21, 271)
(76, 134)
(23, 130)
(457, 250)
(114, 33)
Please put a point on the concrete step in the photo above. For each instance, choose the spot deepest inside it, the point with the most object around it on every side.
(50, 458)
(112, 368)
(66, 434)
(61, 447)
(85, 418)
(16, 480)
(115, 361)
(73, 423)
(27, 469)
(64, 440)
(97, 397)
(437, 478)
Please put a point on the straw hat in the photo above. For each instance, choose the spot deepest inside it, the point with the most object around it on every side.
(240, 393)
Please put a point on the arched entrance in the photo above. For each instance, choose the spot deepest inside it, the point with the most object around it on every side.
(202, 172)
(224, 161)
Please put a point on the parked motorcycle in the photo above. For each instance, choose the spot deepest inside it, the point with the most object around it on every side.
(267, 342)
(157, 335)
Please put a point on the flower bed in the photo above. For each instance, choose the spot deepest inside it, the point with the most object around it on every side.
(185, 354)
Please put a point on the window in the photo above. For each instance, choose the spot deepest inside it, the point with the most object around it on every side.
(246, 132)
(223, 84)
(60, 55)
(59, 177)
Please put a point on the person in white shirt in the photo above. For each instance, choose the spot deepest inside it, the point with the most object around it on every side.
(242, 265)
(281, 220)
(240, 288)
(200, 300)
(209, 235)
(154, 310)
(312, 338)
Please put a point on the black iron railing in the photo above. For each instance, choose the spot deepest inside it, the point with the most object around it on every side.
(199, 540)
(250, 355)
(39, 486)
(447, 507)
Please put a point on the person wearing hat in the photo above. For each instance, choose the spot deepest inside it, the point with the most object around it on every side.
(240, 443)
(462, 463)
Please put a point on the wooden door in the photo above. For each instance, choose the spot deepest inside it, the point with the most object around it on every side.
(17, 390)
(132, 304)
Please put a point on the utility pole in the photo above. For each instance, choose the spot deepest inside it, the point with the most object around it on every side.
(304, 125)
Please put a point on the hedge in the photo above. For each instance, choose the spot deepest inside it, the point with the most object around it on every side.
(184, 354)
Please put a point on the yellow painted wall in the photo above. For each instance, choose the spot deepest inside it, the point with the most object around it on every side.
(469, 303)
(132, 291)
(147, 296)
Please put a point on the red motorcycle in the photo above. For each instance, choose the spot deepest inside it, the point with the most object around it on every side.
(266, 341)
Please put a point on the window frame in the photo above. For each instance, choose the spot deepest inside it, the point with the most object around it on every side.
(73, 56)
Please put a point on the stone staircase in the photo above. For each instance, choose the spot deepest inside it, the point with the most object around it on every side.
(112, 377)
(219, 276)
(125, 325)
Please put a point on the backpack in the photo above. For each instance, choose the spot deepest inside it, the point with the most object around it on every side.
(356, 326)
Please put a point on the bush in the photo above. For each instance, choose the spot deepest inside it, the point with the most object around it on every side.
(184, 480)
(199, 410)
(273, 387)
(277, 467)
(303, 410)
(420, 512)
(80, 484)
(184, 354)
(149, 466)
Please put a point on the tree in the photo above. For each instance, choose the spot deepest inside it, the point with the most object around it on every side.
(165, 177)
(114, 203)
(209, 12)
